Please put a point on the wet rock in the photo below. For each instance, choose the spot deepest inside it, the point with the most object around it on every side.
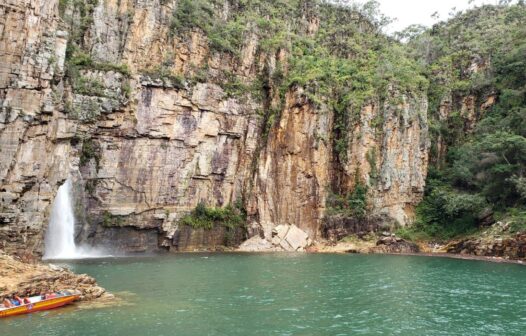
(510, 248)
(393, 244)
(29, 279)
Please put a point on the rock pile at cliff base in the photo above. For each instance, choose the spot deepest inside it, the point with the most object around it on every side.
(288, 238)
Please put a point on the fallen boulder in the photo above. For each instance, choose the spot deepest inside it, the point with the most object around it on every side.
(285, 237)
(257, 244)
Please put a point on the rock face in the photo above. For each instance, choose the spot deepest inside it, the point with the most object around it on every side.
(187, 239)
(471, 107)
(29, 279)
(394, 245)
(293, 172)
(509, 248)
(389, 151)
(334, 228)
(144, 146)
(35, 152)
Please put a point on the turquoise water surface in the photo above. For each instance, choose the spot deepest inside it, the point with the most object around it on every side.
(293, 294)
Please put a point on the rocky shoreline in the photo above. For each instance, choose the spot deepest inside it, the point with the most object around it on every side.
(494, 244)
(33, 278)
(465, 257)
(507, 248)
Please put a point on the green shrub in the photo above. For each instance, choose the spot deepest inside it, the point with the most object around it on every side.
(164, 74)
(371, 159)
(203, 217)
(445, 213)
(413, 234)
(191, 14)
(110, 220)
(353, 204)
(517, 219)
(89, 86)
(82, 60)
(90, 150)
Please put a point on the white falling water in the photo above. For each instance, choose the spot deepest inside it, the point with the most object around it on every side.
(60, 235)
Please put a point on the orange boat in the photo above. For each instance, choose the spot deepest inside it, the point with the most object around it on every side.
(37, 304)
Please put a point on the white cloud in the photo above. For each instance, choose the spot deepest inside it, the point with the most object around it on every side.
(408, 12)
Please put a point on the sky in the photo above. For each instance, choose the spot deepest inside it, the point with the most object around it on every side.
(408, 12)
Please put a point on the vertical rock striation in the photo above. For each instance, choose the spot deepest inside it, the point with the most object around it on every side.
(35, 152)
(149, 124)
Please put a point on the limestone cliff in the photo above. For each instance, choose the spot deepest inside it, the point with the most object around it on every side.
(149, 123)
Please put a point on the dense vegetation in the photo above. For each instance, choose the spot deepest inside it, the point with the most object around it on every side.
(343, 63)
(204, 217)
(480, 53)
(478, 161)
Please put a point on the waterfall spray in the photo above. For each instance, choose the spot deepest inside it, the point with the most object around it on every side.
(60, 235)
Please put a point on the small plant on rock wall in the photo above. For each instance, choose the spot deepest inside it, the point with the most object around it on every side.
(353, 204)
(110, 220)
(90, 150)
(203, 217)
(371, 159)
(91, 186)
(164, 73)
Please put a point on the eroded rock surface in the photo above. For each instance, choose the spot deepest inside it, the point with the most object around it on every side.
(334, 228)
(30, 279)
(153, 129)
(393, 244)
(509, 248)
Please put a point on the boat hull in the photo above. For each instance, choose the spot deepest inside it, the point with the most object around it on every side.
(39, 306)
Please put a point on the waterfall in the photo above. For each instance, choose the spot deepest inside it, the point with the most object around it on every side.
(60, 235)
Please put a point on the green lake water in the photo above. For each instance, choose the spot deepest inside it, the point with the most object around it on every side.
(293, 294)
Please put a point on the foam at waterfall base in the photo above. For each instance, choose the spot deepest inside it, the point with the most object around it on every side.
(83, 252)
(60, 235)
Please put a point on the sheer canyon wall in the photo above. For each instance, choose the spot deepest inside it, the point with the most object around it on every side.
(148, 126)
